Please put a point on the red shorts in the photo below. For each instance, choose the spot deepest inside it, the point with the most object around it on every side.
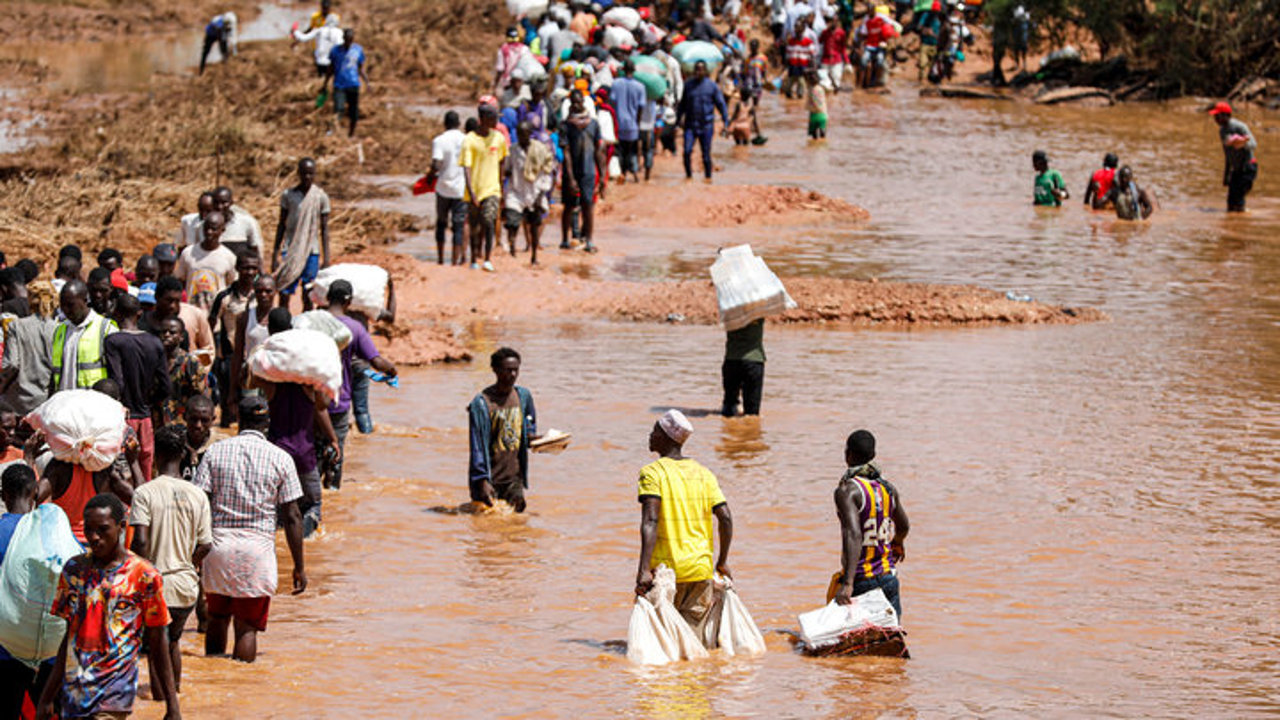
(250, 611)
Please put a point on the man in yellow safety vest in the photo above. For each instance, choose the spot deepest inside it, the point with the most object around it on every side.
(77, 341)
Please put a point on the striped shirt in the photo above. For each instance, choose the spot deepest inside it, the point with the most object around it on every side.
(247, 478)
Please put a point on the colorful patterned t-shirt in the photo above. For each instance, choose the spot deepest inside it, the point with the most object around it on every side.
(107, 610)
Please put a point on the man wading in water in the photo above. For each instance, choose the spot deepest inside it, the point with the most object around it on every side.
(1238, 144)
(503, 422)
(873, 527)
(678, 497)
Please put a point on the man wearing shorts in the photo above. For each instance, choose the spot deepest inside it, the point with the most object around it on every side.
(302, 234)
(484, 156)
(249, 482)
(347, 61)
(530, 177)
(583, 154)
(172, 529)
(451, 209)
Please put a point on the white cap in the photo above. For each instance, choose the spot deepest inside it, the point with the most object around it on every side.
(676, 426)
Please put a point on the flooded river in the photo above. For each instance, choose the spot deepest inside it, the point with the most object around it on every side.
(1095, 509)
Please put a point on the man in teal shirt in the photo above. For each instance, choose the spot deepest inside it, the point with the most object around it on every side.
(743, 369)
(1050, 188)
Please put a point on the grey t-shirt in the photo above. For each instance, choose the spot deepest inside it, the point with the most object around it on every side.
(1237, 158)
(28, 346)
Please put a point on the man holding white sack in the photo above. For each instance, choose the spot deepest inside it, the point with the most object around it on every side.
(743, 369)
(678, 497)
(873, 527)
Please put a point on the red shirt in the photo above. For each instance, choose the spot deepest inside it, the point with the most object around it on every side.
(833, 41)
(800, 51)
(1102, 178)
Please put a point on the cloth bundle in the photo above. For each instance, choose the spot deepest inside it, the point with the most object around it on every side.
(307, 357)
(83, 427)
(746, 289)
(729, 625)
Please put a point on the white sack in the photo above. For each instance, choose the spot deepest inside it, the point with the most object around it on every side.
(616, 37)
(368, 283)
(532, 8)
(615, 168)
(530, 68)
(323, 321)
(662, 595)
(648, 642)
(84, 427)
(746, 289)
(307, 357)
(825, 626)
(737, 634)
(623, 17)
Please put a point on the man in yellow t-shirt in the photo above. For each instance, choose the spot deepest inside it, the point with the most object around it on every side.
(484, 156)
(678, 497)
(319, 17)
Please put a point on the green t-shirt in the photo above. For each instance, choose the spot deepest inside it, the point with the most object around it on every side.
(1046, 183)
(746, 343)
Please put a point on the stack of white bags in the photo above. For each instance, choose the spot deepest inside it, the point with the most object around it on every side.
(746, 289)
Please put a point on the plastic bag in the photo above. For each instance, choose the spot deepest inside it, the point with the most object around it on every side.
(648, 643)
(368, 283)
(307, 357)
(42, 543)
(530, 8)
(690, 52)
(84, 427)
(746, 289)
(828, 626)
(322, 321)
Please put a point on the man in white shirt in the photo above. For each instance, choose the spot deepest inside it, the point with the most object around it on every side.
(189, 229)
(451, 210)
(242, 230)
(327, 36)
(207, 268)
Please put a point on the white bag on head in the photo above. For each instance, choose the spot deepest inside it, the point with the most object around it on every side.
(623, 17)
(84, 427)
(368, 285)
(306, 357)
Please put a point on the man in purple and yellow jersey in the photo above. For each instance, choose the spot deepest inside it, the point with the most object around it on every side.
(873, 526)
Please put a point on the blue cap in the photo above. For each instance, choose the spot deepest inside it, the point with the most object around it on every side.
(147, 294)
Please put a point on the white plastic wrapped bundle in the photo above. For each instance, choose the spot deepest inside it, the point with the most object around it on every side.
(691, 52)
(368, 283)
(616, 37)
(322, 321)
(746, 289)
(729, 625)
(826, 626)
(83, 427)
(530, 68)
(623, 17)
(307, 357)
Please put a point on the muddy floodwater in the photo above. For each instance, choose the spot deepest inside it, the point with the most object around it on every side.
(1095, 509)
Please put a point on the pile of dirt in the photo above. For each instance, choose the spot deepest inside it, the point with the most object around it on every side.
(719, 206)
(847, 302)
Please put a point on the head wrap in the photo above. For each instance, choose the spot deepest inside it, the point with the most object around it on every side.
(676, 426)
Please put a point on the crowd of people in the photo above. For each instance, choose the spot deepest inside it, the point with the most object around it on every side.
(178, 523)
(181, 524)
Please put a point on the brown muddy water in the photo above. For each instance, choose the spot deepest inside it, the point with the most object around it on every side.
(1095, 509)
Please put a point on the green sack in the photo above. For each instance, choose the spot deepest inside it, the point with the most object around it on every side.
(655, 86)
(322, 98)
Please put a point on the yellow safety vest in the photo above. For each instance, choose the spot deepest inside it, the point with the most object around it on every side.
(90, 367)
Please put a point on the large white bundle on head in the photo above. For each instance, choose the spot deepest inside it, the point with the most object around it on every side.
(325, 322)
(529, 8)
(746, 289)
(306, 357)
(84, 427)
(623, 17)
(368, 285)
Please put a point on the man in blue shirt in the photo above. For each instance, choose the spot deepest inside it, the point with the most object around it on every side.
(347, 61)
(629, 97)
(697, 115)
